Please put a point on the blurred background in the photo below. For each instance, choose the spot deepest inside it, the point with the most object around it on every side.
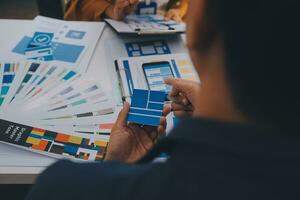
(28, 9)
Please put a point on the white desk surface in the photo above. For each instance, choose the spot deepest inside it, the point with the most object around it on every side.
(19, 166)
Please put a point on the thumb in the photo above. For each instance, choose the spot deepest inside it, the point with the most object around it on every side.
(122, 117)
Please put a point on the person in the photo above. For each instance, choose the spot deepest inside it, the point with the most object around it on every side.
(95, 10)
(241, 140)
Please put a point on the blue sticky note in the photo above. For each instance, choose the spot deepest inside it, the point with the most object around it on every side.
(73, 34)
(69, 75)
(7, 67)
(70, 149)
(4, 90)
(146, 107)
(8, 78)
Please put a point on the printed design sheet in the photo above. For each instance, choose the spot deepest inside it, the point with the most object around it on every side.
(69, 44)
(151, 71)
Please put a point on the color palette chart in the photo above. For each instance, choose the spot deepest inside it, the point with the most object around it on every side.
(58, 144)
(7, 74)
(46, 96)
(146, 107)
(39, 93)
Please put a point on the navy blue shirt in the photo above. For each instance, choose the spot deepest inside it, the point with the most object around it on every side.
(208, 160)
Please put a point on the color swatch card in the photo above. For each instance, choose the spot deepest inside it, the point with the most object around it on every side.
(7, 76)
(51, 143)
(146, 107)
(75, 93)
(69, 44)
(52, 100)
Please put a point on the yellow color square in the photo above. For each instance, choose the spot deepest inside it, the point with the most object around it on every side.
(186, 71)
(75, 140)
(36, 132)
(34, 141)
(183, 62)
(100, 143)
(190, 78)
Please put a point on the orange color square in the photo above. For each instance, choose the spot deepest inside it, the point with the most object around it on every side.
(41, 146)
(62, 137)
(38, 130)
(106, 126)
(85, 157)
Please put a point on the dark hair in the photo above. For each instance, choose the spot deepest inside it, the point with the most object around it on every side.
(261, 41)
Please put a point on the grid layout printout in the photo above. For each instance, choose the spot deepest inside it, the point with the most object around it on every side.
(146, 107)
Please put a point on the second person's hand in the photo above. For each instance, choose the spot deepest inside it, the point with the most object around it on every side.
(120, 9)
(183, 96)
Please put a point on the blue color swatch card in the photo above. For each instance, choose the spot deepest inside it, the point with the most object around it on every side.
(146, 107)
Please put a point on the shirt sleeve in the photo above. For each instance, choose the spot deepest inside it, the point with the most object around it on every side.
(68, 180)
(86, 10)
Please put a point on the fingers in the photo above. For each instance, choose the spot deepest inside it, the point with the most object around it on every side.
(168, 16)
(182, 114)
(177, 18)
(185, 88)
(180, 107)
(179, 84)
(180, 99)
(133, 2)
(173, 14)
(167, 109)
(122, 4)
(122, 117)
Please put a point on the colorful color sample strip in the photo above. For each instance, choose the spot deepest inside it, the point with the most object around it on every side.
(146, 107)
(55, 143)
(8, 72)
